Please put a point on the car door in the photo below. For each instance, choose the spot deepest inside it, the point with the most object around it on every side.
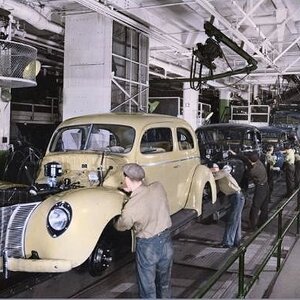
(157, 156)
(170, 155)
(188, 158)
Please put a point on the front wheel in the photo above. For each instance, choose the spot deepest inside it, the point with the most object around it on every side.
(100, 259)
(112, 246)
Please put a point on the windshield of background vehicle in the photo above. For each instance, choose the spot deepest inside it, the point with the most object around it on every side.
(225, 136)
(93, 137)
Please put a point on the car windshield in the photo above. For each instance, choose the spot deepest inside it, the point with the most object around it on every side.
(225, 135)
(93, 137)
(273, 135)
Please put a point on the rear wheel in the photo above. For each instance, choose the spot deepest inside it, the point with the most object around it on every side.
(207, 206)
(212, 212)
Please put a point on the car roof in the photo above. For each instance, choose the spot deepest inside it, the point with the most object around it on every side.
(227, 125)
(271, 128)
(138, 119)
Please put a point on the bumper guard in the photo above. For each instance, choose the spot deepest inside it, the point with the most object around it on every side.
(33, 265)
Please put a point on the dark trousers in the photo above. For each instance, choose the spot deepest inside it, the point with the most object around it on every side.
(290, 178)
(270, 174)
(154, 259)
(259, 208)
(233, 229)
(297, 173)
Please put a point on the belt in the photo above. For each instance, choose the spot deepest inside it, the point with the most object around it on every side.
(162, 232)
(237, 192)
(167, 230)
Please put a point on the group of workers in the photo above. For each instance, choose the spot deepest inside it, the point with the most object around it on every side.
(291, 153)
(147, 213)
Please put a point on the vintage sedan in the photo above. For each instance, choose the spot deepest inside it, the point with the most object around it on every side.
(272, 135)
(277, 137)
(64, 219)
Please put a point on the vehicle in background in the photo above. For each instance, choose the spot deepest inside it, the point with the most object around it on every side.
(216, 139)
(64, 219)
(277, 137)
(286, 119)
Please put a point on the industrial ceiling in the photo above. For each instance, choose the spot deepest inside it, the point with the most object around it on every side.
(268, 30)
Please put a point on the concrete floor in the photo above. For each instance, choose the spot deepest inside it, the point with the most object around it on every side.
(287, 284)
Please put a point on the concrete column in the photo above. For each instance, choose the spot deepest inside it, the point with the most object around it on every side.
(190, 104)
(87, 65)
(4, 124)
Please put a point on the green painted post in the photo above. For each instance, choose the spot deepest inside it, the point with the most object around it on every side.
(279, 238)
(3, 156)
(298, 208)
(241, 273)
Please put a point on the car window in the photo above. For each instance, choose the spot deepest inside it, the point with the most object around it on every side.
(94, 137)
(157, 140)
(185, 139)
(70, 138)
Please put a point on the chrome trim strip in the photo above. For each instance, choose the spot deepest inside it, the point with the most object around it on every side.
(170, 161)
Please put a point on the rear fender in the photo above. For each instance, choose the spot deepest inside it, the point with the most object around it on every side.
(202, 176)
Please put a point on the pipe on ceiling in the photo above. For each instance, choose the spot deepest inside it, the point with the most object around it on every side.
(30, 15)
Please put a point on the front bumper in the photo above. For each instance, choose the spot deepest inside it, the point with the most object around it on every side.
(34, 265)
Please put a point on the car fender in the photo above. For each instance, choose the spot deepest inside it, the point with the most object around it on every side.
(92, 209)
(201, 176)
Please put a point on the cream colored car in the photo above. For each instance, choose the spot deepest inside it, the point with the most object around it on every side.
(64, 219)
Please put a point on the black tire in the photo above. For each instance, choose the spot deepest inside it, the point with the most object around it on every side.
(112, 246)
(207, 206)
(100, 259)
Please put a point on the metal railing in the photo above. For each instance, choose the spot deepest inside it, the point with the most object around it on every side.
(258, 115)
(36, 112)
(243, 288)
(174, 106)
(166, 105)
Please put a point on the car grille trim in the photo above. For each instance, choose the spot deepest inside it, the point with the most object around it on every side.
(14, 220)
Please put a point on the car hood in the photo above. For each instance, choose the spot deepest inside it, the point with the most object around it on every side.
(85, 169)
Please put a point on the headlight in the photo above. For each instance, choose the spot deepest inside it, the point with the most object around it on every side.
(59, 218)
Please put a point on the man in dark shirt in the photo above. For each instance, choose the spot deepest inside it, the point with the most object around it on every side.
(258, 173)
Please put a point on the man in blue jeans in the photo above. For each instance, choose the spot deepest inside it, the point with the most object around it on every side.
(147, 213)
(228, 185)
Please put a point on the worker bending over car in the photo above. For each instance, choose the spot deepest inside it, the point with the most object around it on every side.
(228, 186)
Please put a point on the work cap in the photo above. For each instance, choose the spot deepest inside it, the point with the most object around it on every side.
(134, 171)
(212, 165)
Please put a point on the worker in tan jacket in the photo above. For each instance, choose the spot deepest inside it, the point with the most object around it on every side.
(289, 166)
(147, 213)
(228, 186)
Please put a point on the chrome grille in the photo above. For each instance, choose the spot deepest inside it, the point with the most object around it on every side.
(15, 219)
(5, 214)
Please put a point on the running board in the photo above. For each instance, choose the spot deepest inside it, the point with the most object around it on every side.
(181, 220)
